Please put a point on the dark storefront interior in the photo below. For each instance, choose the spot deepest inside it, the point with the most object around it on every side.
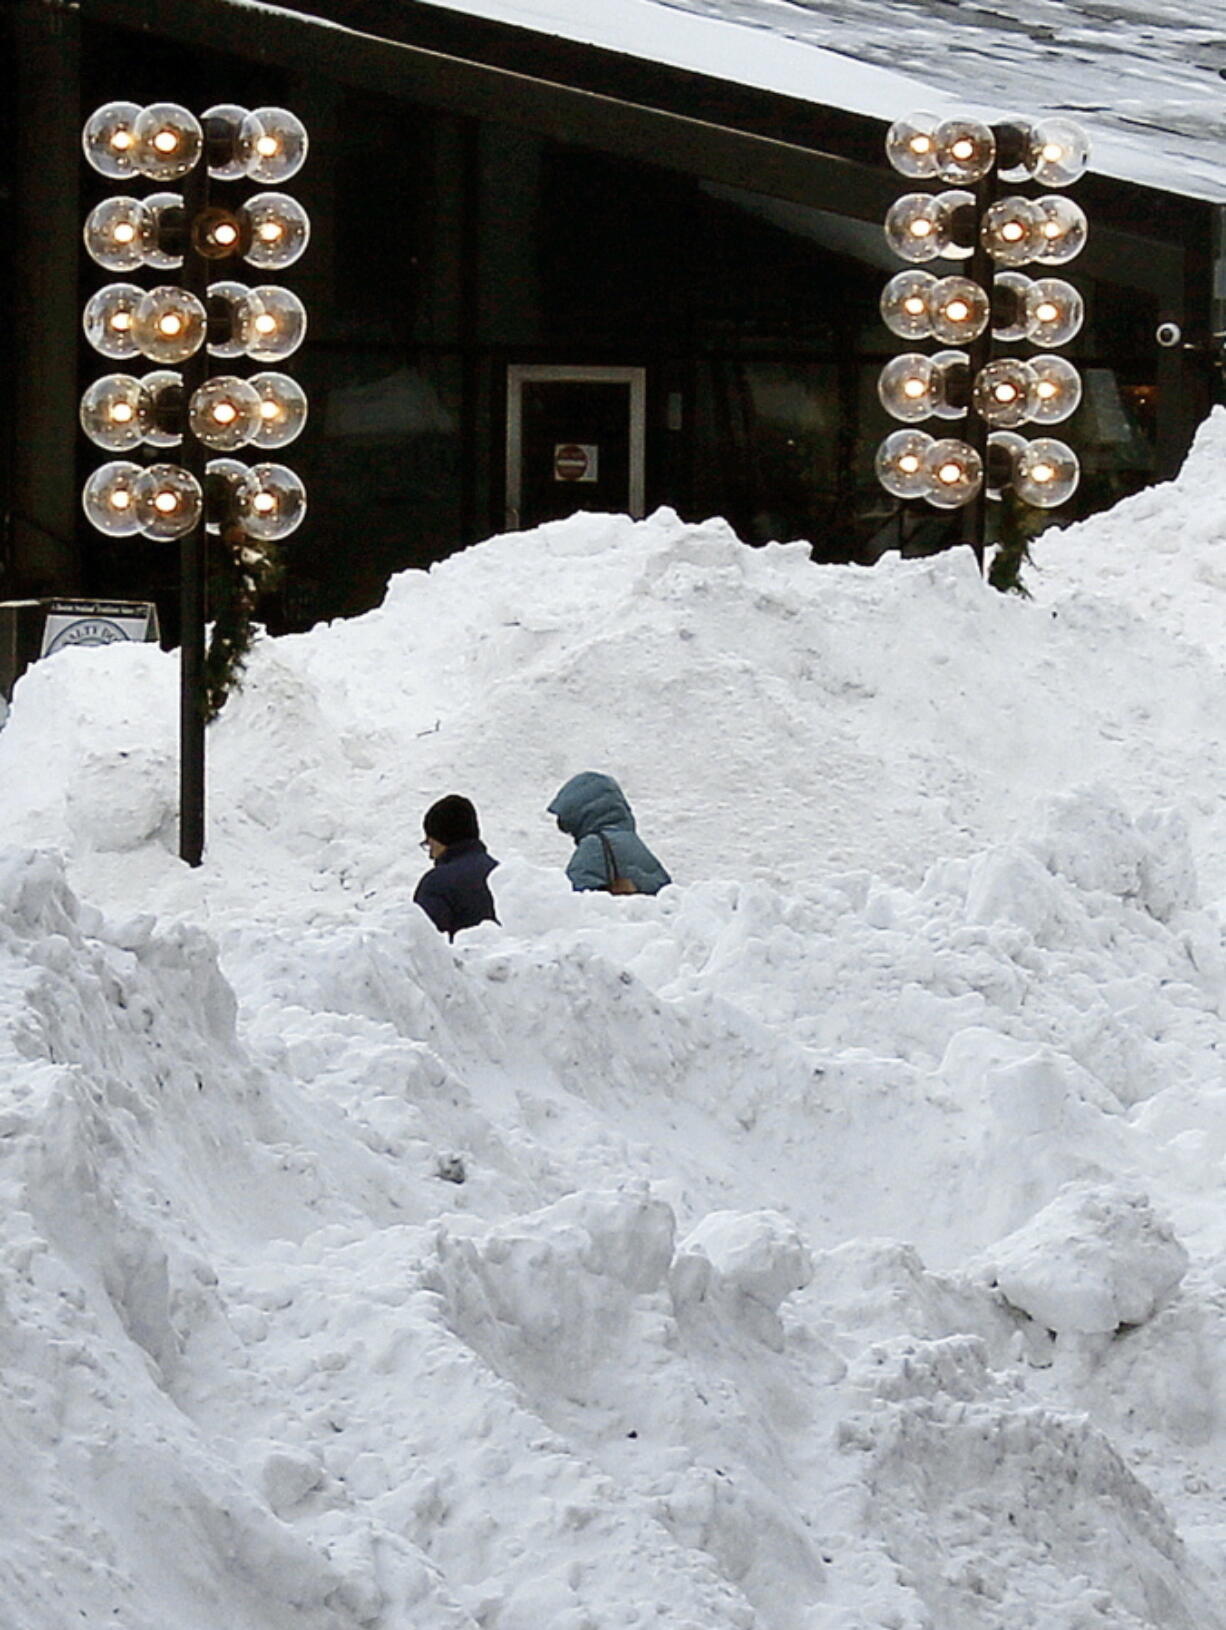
(448, 250)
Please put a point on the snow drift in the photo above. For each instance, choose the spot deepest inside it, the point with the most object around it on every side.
(831, 1242)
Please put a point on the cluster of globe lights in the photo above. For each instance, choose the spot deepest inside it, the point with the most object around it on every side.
(167, 324)
(1044, 310)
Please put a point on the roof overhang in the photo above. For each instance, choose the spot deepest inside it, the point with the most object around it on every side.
(738, 135)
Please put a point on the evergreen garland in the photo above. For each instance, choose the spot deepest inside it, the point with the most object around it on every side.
(1017, 527)
(244, 568)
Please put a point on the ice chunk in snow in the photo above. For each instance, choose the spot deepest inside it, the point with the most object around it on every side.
(1091, 1261)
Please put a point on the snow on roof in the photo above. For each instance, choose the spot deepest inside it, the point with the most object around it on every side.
(1144, 76)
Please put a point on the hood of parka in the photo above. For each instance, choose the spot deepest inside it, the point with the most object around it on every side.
(591, 802)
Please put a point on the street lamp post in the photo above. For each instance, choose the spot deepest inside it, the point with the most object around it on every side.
(971, 220)
(182, 404)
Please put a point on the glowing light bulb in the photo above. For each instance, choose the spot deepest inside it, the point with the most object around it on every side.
(914, 388)
(955, 473)
(167, 141)
(168, 501)
(271, 144)
(224, 412)
(1002, 392)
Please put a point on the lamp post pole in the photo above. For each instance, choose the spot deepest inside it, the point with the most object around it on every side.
(193, 554)
(982, 271)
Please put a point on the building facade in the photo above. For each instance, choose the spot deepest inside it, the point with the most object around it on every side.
(543, 276)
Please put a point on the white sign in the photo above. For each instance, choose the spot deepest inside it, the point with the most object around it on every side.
(97, 622)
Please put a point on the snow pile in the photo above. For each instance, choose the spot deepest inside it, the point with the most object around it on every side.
(833, 1241)
(1162, 552)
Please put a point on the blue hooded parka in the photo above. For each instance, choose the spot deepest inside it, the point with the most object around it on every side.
(590, 806)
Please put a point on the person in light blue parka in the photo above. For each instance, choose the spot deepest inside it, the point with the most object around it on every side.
(592, 808)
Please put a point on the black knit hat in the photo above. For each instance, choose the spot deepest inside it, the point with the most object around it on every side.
(451, 820)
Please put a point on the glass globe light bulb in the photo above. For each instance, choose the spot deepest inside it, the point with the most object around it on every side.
(913, 226)
(278, 323)
(958, 223)
(1063, 230)
(164, 388)
(168, 141)
(273, 504)
(169, 324)
(904, 304)
(115, 412)
(966, 150)
(117, 234)
(955, 473)
(109, 141)
(1004, 449)
(109, 498)
(1055, 311)
(959, 310)
(272, 145)
(164, 240)
(279, 230)
(1010, 317)
(282, 411)
(907, 387)
(169, 501)
(911, 148)
(224, 482)
(1047, 473)
(230, 314)
(108, 318)
(224, 413)
(900, 463)
(1056, 395)
(1058, 152)
(222, 124)
(951, 383)
(1010, 231)
(1002, 392)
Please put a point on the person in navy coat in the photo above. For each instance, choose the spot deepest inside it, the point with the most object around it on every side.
(609, 854)
(455, 892)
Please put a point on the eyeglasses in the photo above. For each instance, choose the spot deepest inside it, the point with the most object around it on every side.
(425, 844)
